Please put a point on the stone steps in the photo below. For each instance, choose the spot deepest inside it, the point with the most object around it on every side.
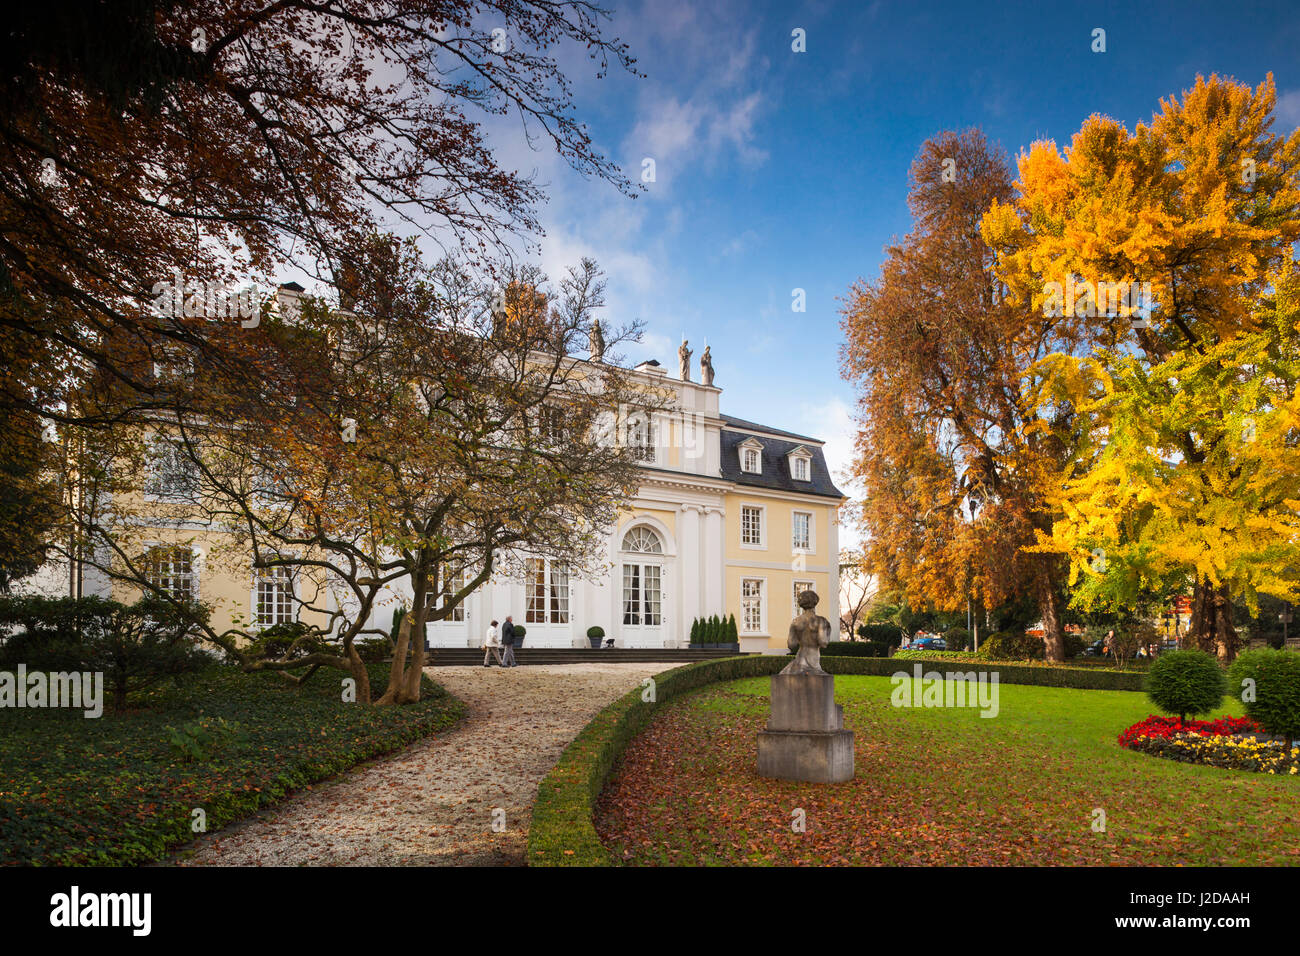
(465, 656)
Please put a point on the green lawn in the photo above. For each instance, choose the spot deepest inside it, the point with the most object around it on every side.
(939, 786)
(113, 791)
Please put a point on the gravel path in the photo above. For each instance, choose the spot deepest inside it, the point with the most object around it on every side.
(432, 805)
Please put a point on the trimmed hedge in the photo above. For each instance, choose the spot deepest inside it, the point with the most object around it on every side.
(856, 649)
(562, 832)
(1276, 701)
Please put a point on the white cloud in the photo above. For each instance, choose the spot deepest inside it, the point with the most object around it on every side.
(1287, 112)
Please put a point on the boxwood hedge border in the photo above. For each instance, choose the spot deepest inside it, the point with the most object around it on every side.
(562, 832)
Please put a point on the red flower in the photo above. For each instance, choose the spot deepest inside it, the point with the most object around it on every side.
(1155, 726)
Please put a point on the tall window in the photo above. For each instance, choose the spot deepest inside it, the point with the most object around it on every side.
(642, 595)
(171, 472)
(750, 461)
(551, 424)
(801, 523)
(170, 569)
(801, 469)
(453, 582)
(751, 605)
(548, 592)
(641, 438)
(275, 603)
(751, 525)
(799, 588)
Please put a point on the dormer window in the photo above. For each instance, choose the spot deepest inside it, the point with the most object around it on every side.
(801, 464)
(751, 457)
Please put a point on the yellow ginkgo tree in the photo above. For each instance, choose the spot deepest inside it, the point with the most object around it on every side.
(1165, 256)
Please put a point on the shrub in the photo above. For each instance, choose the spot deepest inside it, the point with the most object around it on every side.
(287, 642)
(133, 646)
(597, 631)
(1276, 677)
(695, 631)
(1074, 644)
(375, 650)
(888, 634)
(957, 639)
(733, 633)
(1186, 682)
(856, 649)
(1011, 646)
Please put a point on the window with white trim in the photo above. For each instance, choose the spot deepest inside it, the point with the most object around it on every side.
(801, 530)
(801, 469)
(643, 540)
(751, 605)
(641, 438)
(751, 461)
(642, 595)
(170, 569)
(453, 582)
(799, 588)
(275, 598)
(171, 472)
(548, 592)
(751, 525)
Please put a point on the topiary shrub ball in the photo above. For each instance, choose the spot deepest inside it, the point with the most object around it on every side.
(1268, 684)
(1186, 682)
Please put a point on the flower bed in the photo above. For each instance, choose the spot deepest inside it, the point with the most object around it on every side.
(1227, 742)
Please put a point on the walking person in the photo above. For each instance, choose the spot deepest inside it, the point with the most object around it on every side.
(508, 642)
(492, 644)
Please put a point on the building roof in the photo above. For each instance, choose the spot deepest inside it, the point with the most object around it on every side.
(775, 465)
(734, 422)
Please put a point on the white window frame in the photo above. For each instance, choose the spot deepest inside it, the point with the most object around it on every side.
(762, 528)
(812, 532)
(807, 465)
(745, 630)
(797, 588)
(255, 596)
(747, 447)
(644, 444)
(640, 611)
(154, 491)
(550, 614)
(195, 564)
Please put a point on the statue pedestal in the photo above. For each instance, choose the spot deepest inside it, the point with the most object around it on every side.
(805, 737)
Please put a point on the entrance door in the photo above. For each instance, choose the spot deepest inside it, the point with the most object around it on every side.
(643, 615)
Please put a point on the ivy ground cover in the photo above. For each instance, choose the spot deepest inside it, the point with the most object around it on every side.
(119, 789)
(938, 786)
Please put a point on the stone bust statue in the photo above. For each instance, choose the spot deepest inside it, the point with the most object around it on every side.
(684, 361)
(809, 633)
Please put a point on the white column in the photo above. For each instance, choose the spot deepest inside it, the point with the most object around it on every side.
(714, 597)
(689, 555)
(833, 612)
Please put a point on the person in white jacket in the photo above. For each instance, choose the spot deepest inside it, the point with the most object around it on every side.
(492, 644)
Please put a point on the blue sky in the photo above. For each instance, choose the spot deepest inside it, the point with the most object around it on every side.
(779, 170)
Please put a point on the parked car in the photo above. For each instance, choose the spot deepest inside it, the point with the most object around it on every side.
(1096, 649)
(929, 643)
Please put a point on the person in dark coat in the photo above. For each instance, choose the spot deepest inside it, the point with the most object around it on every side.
(508, 642)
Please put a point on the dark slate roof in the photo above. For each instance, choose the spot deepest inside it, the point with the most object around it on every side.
(735, 422)
(776, 467)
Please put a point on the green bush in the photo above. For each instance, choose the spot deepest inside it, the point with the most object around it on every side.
(287, 641)
(1074, 644)
(1011, 646)
(695, 631)
(733, 633)
(134, 646)
(596, 631)
(856, 649)
(375, 650)
(958, 639)
(1186, 682)
(1276, 677)
(888, 634)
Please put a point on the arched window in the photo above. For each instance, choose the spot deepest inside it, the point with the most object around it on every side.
(643, 540)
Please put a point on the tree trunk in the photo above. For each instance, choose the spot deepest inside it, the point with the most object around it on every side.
(1211, 627)
(404, 677)
(360, 675)
(1049, 605)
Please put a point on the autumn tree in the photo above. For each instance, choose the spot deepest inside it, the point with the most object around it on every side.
(443, 429)
(857, 590)
(952, 459)
(1157, 249)
(157, 156)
